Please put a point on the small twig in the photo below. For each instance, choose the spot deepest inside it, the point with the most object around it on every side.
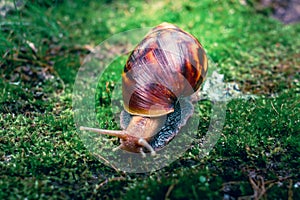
(270, 185)
(230, 183)
(274, 108)
(259, 187)
(108, 163)
(279, 179)
(169, 191)
(5, 54)
(254, 187)
(22, 60)
(108, 180)
(290, 192)
(105, 182)
(245, 198)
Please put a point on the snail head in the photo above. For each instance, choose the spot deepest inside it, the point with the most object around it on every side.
(128, 142)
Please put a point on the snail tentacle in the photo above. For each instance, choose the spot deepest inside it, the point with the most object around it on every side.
(142, 152)
(120, 134)
(145, 144)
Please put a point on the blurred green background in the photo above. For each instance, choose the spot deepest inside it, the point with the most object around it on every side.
(42, 45)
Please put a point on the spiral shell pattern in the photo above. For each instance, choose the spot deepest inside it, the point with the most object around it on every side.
(167, 64)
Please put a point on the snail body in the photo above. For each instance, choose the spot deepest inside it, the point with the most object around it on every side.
(160, 75)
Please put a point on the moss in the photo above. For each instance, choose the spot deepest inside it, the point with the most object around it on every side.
(41, 154)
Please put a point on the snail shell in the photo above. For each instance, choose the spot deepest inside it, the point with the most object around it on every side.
(165, 68)
(169, 63)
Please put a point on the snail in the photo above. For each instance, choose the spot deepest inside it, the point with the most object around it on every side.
(159, 79)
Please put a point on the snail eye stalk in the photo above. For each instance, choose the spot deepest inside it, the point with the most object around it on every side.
(120, 134)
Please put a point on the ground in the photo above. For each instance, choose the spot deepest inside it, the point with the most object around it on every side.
(42, 46)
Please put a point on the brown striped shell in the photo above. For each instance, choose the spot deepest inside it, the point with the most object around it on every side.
(168, 64)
